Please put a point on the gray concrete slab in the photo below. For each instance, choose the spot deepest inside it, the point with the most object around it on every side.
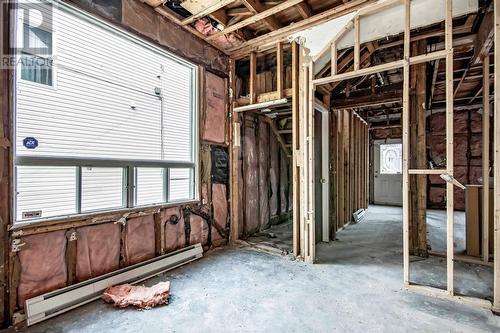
(355, 287)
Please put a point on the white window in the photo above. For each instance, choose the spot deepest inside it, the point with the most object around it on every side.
(118, 130)
(391, 159)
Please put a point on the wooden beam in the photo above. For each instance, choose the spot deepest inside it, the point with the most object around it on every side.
(381, 68)
(304, 10)
(253, 77)
(449, 145)
(256, 7)
(257, 17)
(279, 70)
(283, 33)
(357, 50)
(173, 17)
(206, 11)
(496, 163)
(486, 157)
(406, 148)
(333, 60)
(484, 39)
(363, 98)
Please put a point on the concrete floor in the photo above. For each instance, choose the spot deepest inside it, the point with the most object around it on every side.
(355, 287)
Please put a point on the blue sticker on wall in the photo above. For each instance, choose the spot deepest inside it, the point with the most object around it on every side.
(30, 142)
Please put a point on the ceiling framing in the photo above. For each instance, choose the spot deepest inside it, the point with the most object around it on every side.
(255, 24)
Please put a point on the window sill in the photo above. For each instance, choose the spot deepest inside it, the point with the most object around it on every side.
(78, 220)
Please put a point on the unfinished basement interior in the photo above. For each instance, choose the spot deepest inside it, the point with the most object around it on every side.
(249, 166)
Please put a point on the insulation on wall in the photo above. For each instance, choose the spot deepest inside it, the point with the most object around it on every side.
(214, 118)
(266, 179)
(220, 215)
(139, 240)
(263, 145)
(250, 175)
(43, 266)
(199, 230)
(175, 231)
(98, 250)
(274, 176)
(467, 126)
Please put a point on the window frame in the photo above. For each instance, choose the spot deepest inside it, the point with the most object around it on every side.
(400, 146)
(128, 165)
(19, 33)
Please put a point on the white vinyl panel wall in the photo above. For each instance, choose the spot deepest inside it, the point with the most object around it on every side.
(48, 190)
(149, 186)
(113, 98)
(177, 82)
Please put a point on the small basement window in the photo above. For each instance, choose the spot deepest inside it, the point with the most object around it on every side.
(391, 159)
(119, 130)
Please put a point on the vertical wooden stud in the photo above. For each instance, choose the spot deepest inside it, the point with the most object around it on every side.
(253, 78)
(357, 48)
(406, 140)
(486, 156)
(295, 147)
(279, 70)
(496, 164)
(449, 143)
(334, 58)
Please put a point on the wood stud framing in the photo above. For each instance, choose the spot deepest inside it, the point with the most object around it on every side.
(486, 157)
(496, 163)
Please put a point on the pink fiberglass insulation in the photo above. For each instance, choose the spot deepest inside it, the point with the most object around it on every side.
(199, 230)
(43, 266)
(219, 200)
(142, 297)
(214, 127)
(251, 174)
(264, 217)
(226, 41)
(139, 239)
(98, 250)
(175, 234)
(283, 182)
(273, 175)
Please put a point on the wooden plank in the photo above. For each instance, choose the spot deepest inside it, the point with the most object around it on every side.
(279, 70)
(357, 50)
(295, 148)
(253, 77)
(255, 6)
(333, 52)
(484, 39)
(234, 158)
(449, 144)
(165, 12)
(486, 157)
(205, 12)
(406, 140)
(255, 18)
(496, 162)
(304, 10)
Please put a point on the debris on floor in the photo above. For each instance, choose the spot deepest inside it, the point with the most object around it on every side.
(139, 296)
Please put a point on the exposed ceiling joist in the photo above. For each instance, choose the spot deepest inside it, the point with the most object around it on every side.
(256, 7)
(207, 11)
(304, 10)
(260, 16)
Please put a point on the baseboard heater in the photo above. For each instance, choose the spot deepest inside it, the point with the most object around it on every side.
(358, 215)
(59, 301)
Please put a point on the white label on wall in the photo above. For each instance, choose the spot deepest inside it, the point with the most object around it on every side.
(32, 214)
